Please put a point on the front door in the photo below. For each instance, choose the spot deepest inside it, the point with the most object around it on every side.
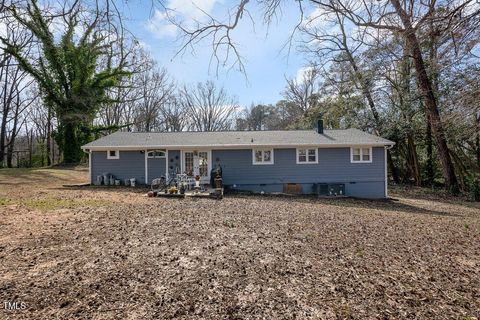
(197, 163)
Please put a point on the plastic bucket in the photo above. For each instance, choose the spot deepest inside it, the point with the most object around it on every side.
(126, 182)
(106, 179)
(132, 182)
(99, 181)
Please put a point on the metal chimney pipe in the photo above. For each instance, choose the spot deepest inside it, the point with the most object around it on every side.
(320, 126)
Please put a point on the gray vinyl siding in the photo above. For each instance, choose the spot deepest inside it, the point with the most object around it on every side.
(174, 158)
(156, 168)
(130, 165)
(365, 180)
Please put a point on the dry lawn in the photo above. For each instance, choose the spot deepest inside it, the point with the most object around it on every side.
(111, 253)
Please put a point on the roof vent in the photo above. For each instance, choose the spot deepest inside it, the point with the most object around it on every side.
(320, 126)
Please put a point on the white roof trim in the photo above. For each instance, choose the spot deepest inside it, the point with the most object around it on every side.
(236, 146)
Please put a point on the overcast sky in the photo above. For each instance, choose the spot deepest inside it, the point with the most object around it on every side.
(266, 63)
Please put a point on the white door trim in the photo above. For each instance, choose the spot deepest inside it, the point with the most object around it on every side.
(209, 155)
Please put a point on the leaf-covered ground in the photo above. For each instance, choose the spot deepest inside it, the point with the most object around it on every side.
(97, 253)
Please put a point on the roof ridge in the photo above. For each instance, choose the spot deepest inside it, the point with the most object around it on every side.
(223, 131)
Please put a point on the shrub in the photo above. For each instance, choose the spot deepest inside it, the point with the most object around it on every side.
(474, 187)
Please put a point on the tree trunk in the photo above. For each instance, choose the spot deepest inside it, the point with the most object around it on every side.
(429, 144)
(13, 136)
(11, 146)
(5, 111)
(30, 149)
(49, 136)
(404, 96)
(477, 140)
(429, 100)
(3, 133)
(55, 154)
(10, 157)
(461, 169)
(413, 158)
(434, 75)
(70, 145)
(393, 169)
(364, 88)
(478, 149)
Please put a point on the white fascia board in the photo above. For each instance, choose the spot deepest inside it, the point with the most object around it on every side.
(233, 146)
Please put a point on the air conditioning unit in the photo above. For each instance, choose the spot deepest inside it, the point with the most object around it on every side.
(329, 189)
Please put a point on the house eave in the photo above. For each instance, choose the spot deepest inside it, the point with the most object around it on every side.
(236, 146)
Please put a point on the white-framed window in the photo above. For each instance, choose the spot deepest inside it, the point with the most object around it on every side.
(361, 154)
(156, 154)
(262, 156)
(113, 154)
(307, 155)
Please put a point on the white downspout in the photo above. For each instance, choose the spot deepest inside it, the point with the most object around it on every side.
(386, 169)
(166, 164)
(146, 167)
(90, 166)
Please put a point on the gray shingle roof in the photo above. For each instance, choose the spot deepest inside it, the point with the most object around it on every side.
(236, 139)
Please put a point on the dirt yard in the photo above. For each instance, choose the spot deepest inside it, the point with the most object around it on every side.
(111, 253)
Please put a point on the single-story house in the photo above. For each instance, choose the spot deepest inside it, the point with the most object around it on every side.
(350, 162)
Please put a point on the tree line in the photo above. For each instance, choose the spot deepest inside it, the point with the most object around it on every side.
(408, 71)
(71, 74)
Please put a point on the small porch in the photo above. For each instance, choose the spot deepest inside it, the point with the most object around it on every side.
(212, 193)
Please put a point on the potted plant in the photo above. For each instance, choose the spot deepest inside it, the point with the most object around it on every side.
(197, 181)
(182, 188)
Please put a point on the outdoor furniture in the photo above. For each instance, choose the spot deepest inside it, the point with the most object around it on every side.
(186, 180)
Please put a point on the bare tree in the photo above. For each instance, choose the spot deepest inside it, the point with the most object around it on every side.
(302, 91)
(391, 16)
(40, 125)
(157, 90)
(209, 108)
(174, 114)
(14, 94)
(336, 45)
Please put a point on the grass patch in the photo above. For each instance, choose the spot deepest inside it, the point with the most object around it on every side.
(359, 253)
(5, 202)
(44, 173)
(228, 224)
(54, 203)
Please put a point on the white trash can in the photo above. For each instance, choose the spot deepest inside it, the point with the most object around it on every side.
(132, 182)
